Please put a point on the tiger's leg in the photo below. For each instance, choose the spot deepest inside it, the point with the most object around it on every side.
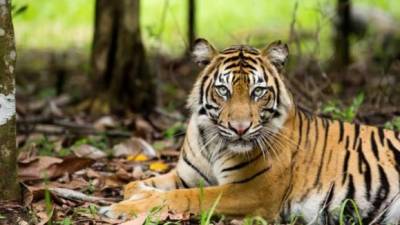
(236, 200)
(164, 182)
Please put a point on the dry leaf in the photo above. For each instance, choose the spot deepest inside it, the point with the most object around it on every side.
(138, 158)
(88, 151)
(159, 166)
(50, 167)
(133, 146)
(105, 122)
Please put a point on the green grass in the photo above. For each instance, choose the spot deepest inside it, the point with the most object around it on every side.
(63, 24)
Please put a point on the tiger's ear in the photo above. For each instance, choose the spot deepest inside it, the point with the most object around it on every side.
(277, 53)
(203, 52)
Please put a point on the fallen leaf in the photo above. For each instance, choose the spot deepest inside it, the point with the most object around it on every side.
(88, 151)
(105, 123)
(134, 146)
(143, 129)
(138, 158)
(123, 175)
(50, 167)
(159, 166)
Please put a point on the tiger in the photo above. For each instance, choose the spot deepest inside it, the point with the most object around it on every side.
(249, 146)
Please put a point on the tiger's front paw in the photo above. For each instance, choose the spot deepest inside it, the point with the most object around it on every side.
(142, 202)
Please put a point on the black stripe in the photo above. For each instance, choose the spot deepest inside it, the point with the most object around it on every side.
(249, 59)
(252, 177)
(308, 123)
(326, 125)
(346, 145)
(345, 166)
(374, 146)
(380, 196)
(184, 184)
(249, 66)
(396, 154)
(350, 189)
(230, 59)
(241, 165)
(381, 135)
(300, 129)
(202, 88)
(349, 210)
(341, 131)
(185, 159)
(204, 152)
(367, 173)
(232, 65)
(278, 92)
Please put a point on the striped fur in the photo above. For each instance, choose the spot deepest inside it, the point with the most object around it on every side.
(286, 162)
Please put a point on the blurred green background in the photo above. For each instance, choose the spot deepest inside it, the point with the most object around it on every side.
(69, 23)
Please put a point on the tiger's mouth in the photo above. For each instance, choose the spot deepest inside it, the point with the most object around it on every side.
(240, 145)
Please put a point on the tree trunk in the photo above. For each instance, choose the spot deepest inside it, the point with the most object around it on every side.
(9, 188)
(342, 42)
(191, 23)
(119, 66)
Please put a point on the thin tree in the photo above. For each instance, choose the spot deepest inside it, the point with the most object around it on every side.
(119, 66)
(191, 26)
(9, 188)
(343, 29)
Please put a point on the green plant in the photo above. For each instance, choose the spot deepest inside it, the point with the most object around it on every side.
(65, 221)
(337, 111)
(206, 215)
(349, 219)
(47, 200)
(153, 217)
(394, 124)
(257, 220)
(45, 147)
(2, 217)
(100, 142)
(175, 129)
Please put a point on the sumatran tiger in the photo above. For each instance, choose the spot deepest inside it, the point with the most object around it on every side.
(250, 145)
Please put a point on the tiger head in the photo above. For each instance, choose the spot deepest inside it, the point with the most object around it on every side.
(240, 97)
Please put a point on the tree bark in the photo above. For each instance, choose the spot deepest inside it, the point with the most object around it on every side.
(342, 41)
(191, 23)
(119, 64)
(9, 188)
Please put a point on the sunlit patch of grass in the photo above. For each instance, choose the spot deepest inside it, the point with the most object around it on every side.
(63, 24)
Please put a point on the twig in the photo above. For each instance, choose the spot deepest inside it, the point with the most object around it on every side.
(63, 127)
(77, 196)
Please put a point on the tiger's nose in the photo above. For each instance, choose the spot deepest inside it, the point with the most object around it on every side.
(241, 127)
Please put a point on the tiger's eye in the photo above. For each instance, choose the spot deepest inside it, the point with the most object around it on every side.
(258, 92)
(222, 90)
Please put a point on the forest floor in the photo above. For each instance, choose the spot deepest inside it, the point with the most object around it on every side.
(73, 160)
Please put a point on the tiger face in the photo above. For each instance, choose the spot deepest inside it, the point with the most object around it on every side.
(239, 97)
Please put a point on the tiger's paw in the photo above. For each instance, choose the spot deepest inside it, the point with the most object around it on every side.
(142, 202)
